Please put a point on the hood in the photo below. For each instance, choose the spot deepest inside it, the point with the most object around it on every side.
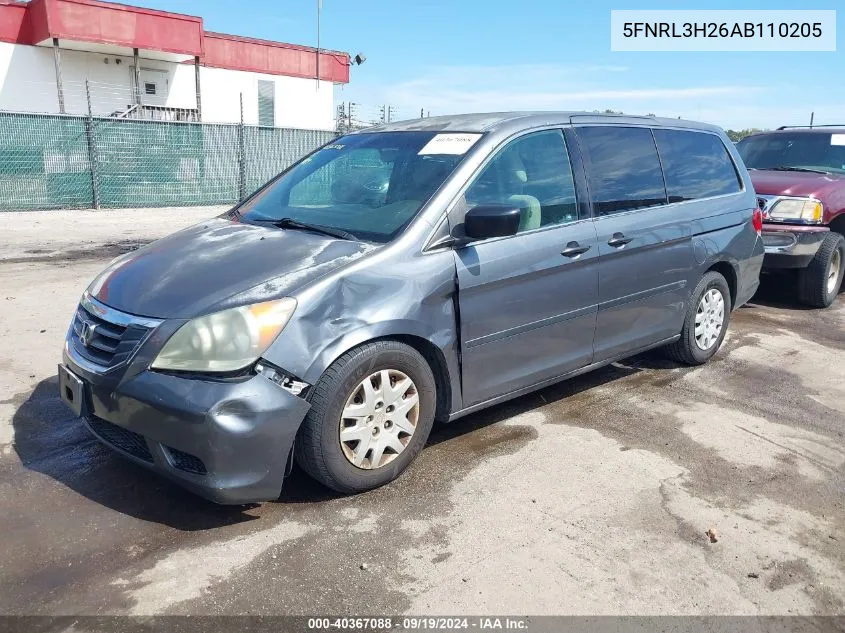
(218, 264)
(796, 183)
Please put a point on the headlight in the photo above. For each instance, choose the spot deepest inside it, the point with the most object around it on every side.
(806, 210)
(227, 340)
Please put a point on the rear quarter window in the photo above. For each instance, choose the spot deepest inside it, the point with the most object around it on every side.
(696, 165)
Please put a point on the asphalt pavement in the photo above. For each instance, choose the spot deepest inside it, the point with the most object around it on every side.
(641, 488)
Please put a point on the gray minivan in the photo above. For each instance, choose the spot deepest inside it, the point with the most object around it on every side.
(408, 273)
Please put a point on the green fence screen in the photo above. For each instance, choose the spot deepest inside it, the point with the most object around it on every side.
(54, 162)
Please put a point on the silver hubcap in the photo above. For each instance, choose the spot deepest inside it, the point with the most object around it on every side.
(709, 319)
(379, 419)
(833, 273)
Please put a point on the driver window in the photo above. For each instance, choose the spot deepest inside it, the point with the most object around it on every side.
(532, 173)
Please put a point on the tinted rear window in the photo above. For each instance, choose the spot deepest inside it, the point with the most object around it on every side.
(623, 170)
(696, 165)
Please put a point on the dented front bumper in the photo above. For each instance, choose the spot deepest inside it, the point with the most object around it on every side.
(226, 440)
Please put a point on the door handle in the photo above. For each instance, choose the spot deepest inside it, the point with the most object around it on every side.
(619, 240)
(574, 249)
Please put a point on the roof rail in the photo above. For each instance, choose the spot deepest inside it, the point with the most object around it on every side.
(810, 127)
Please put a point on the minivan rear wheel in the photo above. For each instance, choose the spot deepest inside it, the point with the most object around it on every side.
(371, 413)
(706, 321)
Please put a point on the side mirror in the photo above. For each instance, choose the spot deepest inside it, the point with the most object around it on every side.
(491, 221)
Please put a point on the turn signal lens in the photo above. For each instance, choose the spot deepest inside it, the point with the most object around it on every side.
(813, 212)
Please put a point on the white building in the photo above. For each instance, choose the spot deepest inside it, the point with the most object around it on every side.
(132, 62)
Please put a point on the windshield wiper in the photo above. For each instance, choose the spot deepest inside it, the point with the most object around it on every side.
(290, 223)
(807, 169)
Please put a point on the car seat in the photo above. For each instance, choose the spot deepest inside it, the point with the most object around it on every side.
(515, 176)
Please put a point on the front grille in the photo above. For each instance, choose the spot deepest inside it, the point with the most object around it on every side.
(106, 344)
(124, 439)
(187, 462)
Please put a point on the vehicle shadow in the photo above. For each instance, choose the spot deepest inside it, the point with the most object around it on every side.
(779, 290)
(549, 395)
(300, 488)
(49, 440)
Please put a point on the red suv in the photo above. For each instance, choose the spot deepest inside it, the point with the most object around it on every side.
(799, 176)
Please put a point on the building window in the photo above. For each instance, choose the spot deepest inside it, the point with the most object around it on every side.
(149, 88)
(266, 103)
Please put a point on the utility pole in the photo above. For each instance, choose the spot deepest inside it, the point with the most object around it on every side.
(341, 119)
(350, 112)
(386, 113)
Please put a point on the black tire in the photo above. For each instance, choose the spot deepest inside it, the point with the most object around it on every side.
(685, 349)
(813, 280)
(318, 449)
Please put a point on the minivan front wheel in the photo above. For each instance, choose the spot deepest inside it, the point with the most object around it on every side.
(379, 419)
(371, 413)
(706, 321)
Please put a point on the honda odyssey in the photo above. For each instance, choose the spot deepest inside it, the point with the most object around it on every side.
(411, 272)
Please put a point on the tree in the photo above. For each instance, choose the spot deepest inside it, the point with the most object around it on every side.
(738, 135)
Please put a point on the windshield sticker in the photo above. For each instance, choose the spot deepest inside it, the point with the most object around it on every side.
(450, 144)
(335, 146)
(837, 139)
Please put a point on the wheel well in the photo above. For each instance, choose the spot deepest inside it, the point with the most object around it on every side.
(437, 362)
(727, 271)
(838, 224)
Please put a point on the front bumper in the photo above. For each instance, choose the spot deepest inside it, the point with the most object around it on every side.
(228, 441)
(791, 246)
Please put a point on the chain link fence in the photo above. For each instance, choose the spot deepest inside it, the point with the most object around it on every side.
(67, 161)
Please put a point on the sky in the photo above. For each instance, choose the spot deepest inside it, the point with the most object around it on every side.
(451, 56)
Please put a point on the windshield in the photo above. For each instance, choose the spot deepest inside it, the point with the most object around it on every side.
(799, 150)
(368, 185)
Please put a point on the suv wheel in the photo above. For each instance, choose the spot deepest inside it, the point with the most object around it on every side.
(706, 322)
(820, 282)
(371, 413)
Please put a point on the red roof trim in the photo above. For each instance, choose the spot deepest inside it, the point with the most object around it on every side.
(14, 22)
(119, 6)
(151, 29)
(119, 24)
(274, 58)
(255, 40)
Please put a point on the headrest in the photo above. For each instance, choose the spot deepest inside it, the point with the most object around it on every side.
(513, 167)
